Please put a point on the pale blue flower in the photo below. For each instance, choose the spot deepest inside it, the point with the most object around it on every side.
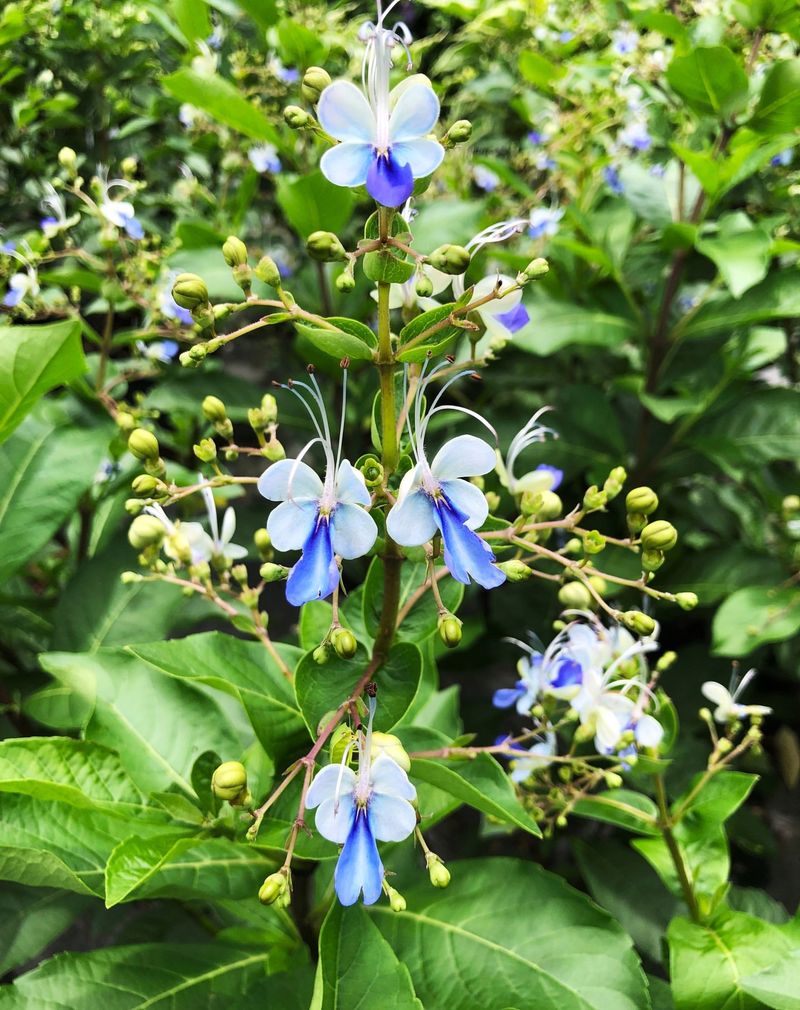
(537, 137)
(624, 41)
(544, 477)
(435, 497)
(289, 75)
(485, 178)
(538, 756)
(782, 159)
(8, 246)
(728, 707)
(21, 285)
(188, 115)
(544, 163)
(162, 351)
(116, 211)
(543, 222)
(222, 545)
(323, 519)
(57, 222)
(359, 809)
(264, 158)
(183, 537)
(565, 37)
(383, 135)
(612, 179)
(635, 135)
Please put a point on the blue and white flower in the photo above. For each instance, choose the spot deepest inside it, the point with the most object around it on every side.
(323, 519)
(485, 178)
(624, 41)
(23, 284)
(612, 180)
(185, 541)
(543, 222)
(117, 211)
(728, 707)
(264, 158)
(288, 75)
(162, 351)
(382, 133)
(544, 477)
(434, 497)
(538, 756)
(57, 221)
(635, 135)
(782, 159)
(222, 545)
(359, 809)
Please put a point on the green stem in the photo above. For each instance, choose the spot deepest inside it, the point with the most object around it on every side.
(665, 824)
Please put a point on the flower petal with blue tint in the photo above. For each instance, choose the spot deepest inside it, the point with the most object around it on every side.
(388, 777)
(292, 523)
(515, 319)
(359, 867)
(327, 781)
(350, 486)
(353, 531)
(13, 297)
(388, 182)
(347, 164)
(568, 674)
(289, 479)
(315, 576)
(392, 819)
(467, 499)
(334, 817)
(412, 519)
(465, 554)
(505, 697)
(422, 156)
(463, 456)
(134, 229)
(415, 113)
(345, 113)
(556, 474)
(648, 731)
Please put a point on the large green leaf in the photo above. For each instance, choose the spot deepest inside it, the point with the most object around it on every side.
(759, 428)
(622, 807)
(777, 986)
(311, 203)
(508, 934)
(350, 339)
(34, 360)
(244, 670)
(357, 967)
(193, 18)
(558, 324)
(221, 100)
(741, 257)
(710, 79)
(778, 109)
(753, 616)
(30, 919)
(777, 296)
(422, 619)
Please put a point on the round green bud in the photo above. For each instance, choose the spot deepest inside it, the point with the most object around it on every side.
(68, 159)
(643, 500)
(550, 506)
(129, 578)
(460, 132)
(214, 409)
(321, 654)
(636, 522)
(424, 286)
(537, 268)
(613, 780)
(341, 738)
(573, 546)
(133, 506)
(594, 542)
(143, 444)
(243, 276)
(257, 419)
(397, 902)
(239, 572)
(345, 282)
(145, 531)
(274, 887)
(515, 570)
(205, 450)
(266, 270)
(234, 251)
(325, 247)
(686, 601)
(297, 118)
(493, 501)
(345, 643)
(229, 782)
(125, 421)
(273, 451)
(437, 871)
(450, 259)
(652, 560)
(575, 596)
(594, 498)
(790, 505)
(659, 536)
(269, 407)
(263, 541)
(724, 746)
(270, 572)
(641, 623)
(129, 166)
(599, 584)
(450, 630)
(390, 745)
(190, 292)
(666, 661)
(372, 471)
(315, 80)
(144, 485)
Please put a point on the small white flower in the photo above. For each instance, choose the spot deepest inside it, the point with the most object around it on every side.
(726, 699)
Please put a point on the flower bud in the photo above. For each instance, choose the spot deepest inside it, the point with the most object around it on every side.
(599, 584)
(133, 506)
(257, 420)
(297, 118)
(515, 570)
(459, 132)
(390, 745)
(790, 505)
(229, 782)
(129, 578)
(214, 409)
(273, 451)
(372, 471)
(325, 247)
(724, 746)
(636, 522)
(345, 643)
(321, 654)
(68, 160)
(450, 630)
(124, 420)
(269, 408)
(614, 481)
(437, 871)
(345, 282)
(534, 270)
(145, 531)
(263, 542)
(341, 738)
(450, 259)
(666, 661)
(613, 780)
(239, 572)
(234, 251)
(190, 292)
(424, 286)
(143, 444)
(144, 485)
(641, 623)
(397, 902)
(686, 601)
(270, 572)
(594, 498)
(205, 450)
(594, 542)
(274, 887)
(315, 80)
(641, 499)
(243, 276)
(659, 536)
(266, 270)
(544, 505)
(574, 596)
(652, 560)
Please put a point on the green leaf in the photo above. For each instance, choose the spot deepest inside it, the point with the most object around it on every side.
(222, 101)
(244, 670)
(646, 194)
(31, 919)
(311, 203)
(710, 79)
(34, 360)
(539, 71)
(193, 18)
(704, 847)
(742, 258)
(263, 12)
(622, 807)
(720, 797)
(776, 297)
(516, 936)
(351, 339)
(753, 616)
(480, 782)
(708, 963)
(559, 324)
(762, 427)
(321, 689)
(778, 109)
(436, 343)
(357, 967)
(777, 986)
(422, 619)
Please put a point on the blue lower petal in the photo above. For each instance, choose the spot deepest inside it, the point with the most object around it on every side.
(315, 575)
(389, 182)
(465, 554)
(568, 674)
(514, 319)
(134, 228)
(359, 867)
(505, 697)
(13, 297)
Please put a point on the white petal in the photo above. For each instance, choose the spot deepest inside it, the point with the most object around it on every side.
(607, 728)
(424, 156)
(275, 482)
(468, 499)
(347, 164)
(228, 526)
(325, 783)
(386, 776)
(414, 115)
(649, 731)
(390, 818)
(345, 113)
(353, 531)
(291, 523)
(499, 306)
(463, 456)
(333, 818)
(350, 485)
(717, 694)
(412, 521)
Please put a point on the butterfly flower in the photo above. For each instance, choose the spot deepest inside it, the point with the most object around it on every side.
(544, 477)
(116, 211)
(726, 699)
(264, 158)
(58, 221)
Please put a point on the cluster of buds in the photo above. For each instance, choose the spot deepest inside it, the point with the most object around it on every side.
(235, 254)
(656, 536)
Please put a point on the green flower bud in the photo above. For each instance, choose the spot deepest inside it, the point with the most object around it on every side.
(341, 738)
(573, 546)
(243, 276)
(450, 630)
(234, 251)
(598, 584)
(437, 871)
(263, 541)
(686, 601)
(424, 286)
(229, 782)
(145, 531)
(666, 661)
(297, 118)
(274, 887)
(315, 80)
(450, 259)
(133, 506)
(321, 654)
(273, 451)
(372, 471)
(269, 407)
(659, 536)
(534, 270)
(493, 501)
(257, 419)
(143, 444)
(594, 498)
(205, 450)
(270, 572)
(397, 902)
(345, 282)
(460, 132)
(515, 570)
(618, 475)
(613, 780)
(239, 572)
(550, 506)
(129, 166)
(267, 271)
(325, 247)
(641, 623)
(129, 578)
(574, 596)
(641, 499)
(652, 560)
(344, 643)
(144, 485)
(190, 292)
(636, 522)
(594, 542)
(724, 746)
(790, 505)
(214, 409)
(68, 160)
(125, 421)
(387, 743)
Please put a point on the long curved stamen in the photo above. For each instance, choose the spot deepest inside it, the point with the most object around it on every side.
(298, 460)
(638, 648)
(735, 689)
(342, 419)
(211, 509)
(501, 231)
(462, 410)
(342, 765)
